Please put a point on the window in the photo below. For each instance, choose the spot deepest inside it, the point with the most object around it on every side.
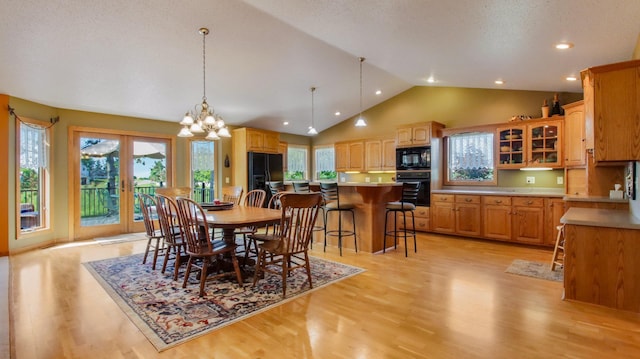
(297, 163)
(470, 158)
(203, 170)
(325, 165)
(34, 173)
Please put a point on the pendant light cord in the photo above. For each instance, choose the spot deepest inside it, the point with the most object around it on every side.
(361, 61)
(204, 33)
(313, 89)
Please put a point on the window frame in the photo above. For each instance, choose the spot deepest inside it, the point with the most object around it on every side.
(217, 170)
(315, 161)
(46, 195)
(306, 148)
(446, 156)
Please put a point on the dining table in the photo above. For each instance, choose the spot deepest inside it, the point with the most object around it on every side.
(241, 216)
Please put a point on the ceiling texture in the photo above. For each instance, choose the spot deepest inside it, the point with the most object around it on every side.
(143, 58)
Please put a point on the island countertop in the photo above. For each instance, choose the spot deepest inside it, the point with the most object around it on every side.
(362, 184)
(595, 217)
(503, 191)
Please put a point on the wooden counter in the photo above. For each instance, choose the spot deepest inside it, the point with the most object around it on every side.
(601, 254)
(370, 200)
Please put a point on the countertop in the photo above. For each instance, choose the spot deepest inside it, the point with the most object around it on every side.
(612, 218)
(511, 191)
(362, 184)
(594, 199)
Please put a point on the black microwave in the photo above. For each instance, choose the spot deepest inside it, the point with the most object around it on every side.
(413, 158)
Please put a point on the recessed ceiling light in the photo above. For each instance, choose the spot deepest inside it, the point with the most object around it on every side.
(285, 123)
(499, 82)
(337, 113)
(431, 80)
(378, 92)
(571, 78)
(564, 45)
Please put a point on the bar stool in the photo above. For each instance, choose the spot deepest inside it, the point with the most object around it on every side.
(407, 204)
(303, 187)
(558, 259)
(332, 203)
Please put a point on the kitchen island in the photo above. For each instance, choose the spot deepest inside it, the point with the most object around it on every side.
(369, 199)
(601, 257)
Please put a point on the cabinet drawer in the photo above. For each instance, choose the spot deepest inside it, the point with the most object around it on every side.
(422, 224)
(421, 212)
(462, 198)
(442, 198)
(496, 200)
(528, 201)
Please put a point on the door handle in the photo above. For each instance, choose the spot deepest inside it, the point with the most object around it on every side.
(122, 186)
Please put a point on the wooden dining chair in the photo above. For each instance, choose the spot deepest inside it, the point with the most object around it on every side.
(290, 252)
(174, 192)
(254, 198)
(153, 231)
(172, 228)
(200, 248)
(232, 194)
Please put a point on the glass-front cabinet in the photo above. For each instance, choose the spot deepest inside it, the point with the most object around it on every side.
(511, 147)
(537, 144)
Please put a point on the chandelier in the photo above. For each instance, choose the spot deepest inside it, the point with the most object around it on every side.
(312, 129)
(361, 122)
(202, 118)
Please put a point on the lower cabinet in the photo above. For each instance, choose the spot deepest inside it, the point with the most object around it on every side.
(456, 214)
(529, 220)
(421, 217)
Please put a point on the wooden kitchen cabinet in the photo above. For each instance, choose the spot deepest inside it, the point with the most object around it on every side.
(536, 144)
(260, 140)
(497, 217)
(418, 134)
(283, 149)
(574, 135)
(456, 214)
(380, 155)
(349, 156)
(421, 217)
(443, 217)
(528, 220)
(612, 110)
(553, 210)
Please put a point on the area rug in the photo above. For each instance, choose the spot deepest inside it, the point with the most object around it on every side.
(535, 269)
(169, 315)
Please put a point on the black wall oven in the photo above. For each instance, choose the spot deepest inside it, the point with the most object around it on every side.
(424, 177)
(413, 158)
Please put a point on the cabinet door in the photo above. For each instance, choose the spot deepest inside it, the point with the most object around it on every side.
(255, 141)
(404, 136)
(421, 135)
(497, 222)
(342, 157)
(443, 217)
(576, 181)
(528, 224)
(356, 156)
(545, 144)
(467, 219)
(617, 129)
(373, 155)
(574, 138)
(271, 142)
(553, 211)
(388, 155)
(511, 146)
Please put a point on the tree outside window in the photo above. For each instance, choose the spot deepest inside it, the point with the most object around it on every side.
(325, 163)
(297, 163)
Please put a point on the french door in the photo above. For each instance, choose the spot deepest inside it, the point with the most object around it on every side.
(109, 171)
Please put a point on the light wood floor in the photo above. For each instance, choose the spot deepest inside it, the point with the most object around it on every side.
(450, 300)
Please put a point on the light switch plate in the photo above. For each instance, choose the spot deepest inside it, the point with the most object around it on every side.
(531, 180)
(560, 180)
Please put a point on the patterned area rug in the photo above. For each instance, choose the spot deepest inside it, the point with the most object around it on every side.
(535, 269)
(169, 315)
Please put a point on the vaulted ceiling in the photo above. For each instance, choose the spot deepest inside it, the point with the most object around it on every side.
(143, 58)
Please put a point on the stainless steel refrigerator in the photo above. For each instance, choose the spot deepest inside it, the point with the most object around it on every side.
(264, 168)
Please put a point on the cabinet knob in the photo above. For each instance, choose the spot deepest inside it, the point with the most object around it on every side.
(529, 202)
(467, 199)
(499, 201)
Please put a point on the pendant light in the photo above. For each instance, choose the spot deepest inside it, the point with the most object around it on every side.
(312, 129)
(361, 122)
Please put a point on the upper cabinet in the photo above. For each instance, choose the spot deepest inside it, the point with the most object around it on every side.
(574, 135)
(349, 156)
(283, 149)
(536, 144)
(612, 111)
(380, 155)
(417, 134)
(261, 140)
